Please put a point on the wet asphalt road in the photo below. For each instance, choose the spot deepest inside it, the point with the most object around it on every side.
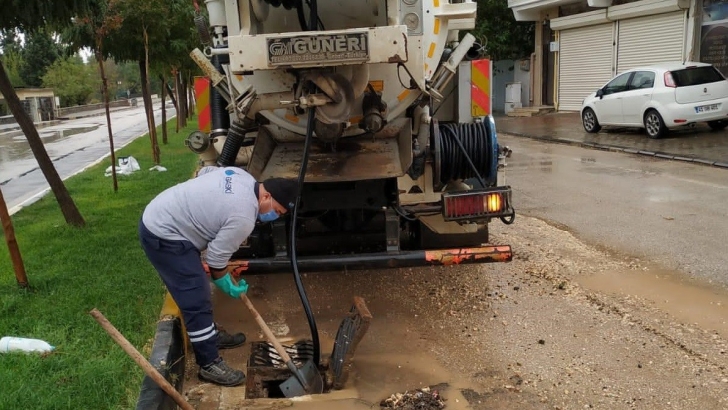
(72, 145)
(693, 143)
(666, 212)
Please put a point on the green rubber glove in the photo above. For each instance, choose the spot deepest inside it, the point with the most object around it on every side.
(226, 284)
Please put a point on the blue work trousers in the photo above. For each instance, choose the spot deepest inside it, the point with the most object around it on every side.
(180, 268)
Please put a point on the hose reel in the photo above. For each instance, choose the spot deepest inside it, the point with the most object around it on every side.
(478, 140)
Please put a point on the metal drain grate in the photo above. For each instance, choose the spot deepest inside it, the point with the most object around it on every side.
(264, 354)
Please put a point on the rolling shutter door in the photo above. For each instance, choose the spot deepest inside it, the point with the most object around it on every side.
(585, 63)
(652, 39)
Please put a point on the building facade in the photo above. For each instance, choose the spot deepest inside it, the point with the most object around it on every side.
(582, 44)
(39, 103)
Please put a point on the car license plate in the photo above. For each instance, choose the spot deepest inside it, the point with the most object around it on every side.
(707, 108)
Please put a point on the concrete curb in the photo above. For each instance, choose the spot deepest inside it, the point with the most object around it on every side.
(168, 356)
(617, 148)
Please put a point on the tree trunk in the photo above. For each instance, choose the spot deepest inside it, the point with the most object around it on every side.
(13, 248)
(153, 134)
(190, 97)
(105, 91)
(170, 91)
(146, 91)
(164, 109)
(182, 99)
(143, 84)
(175, 73)
(68, 207)
(146, 97)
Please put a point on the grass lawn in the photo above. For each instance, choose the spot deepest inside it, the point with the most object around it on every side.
(71, 271)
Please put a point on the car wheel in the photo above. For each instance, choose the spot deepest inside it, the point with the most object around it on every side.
(654, 125)
(589, 120)
(717, 125)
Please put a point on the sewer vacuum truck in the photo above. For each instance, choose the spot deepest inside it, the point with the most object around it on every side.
(349, 93)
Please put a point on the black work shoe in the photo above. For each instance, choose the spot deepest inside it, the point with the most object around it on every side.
(219, 372)
(227, 341)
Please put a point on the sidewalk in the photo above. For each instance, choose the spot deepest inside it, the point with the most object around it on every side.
(82, 114)
(39, 125)
(698, 144)
(92, 113)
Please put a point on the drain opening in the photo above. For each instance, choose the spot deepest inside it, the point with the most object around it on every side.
(272, 389)
(266, 369)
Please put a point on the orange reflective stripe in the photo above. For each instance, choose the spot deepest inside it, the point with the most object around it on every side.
(480, 88)
(202, 96)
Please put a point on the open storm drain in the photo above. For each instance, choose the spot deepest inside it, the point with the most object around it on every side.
(266, 369)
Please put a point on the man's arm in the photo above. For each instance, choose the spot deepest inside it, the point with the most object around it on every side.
(217, 273)
(226, 242)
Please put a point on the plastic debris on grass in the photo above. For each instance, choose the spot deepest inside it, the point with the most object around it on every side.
(127, 165)
(420, 399)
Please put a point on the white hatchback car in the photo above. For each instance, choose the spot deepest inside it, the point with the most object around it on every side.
(658, 98)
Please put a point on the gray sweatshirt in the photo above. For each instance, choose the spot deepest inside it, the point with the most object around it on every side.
(216, 210)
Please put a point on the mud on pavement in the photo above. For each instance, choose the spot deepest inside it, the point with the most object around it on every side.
(563, 326)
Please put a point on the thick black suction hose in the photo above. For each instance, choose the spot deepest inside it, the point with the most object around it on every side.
(311, 26)
(313, 16)
(220, 116)
(232, 145)
(202, 29)
(294, 259)
(294, 218)
(301, 16)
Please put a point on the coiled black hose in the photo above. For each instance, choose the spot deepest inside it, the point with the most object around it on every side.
(467, 151)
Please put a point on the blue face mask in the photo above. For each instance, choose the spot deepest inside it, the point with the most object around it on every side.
(269, 216)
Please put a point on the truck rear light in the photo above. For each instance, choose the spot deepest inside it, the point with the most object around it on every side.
(477, 204)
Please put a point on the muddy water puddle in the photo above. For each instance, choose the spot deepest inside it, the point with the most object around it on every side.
(393, 357)
(688, 301)
(389, 360)
(378, 376)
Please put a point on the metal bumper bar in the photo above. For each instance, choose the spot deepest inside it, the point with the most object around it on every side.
(402, 259)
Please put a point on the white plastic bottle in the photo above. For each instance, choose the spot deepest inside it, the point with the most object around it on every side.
(21, 344)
